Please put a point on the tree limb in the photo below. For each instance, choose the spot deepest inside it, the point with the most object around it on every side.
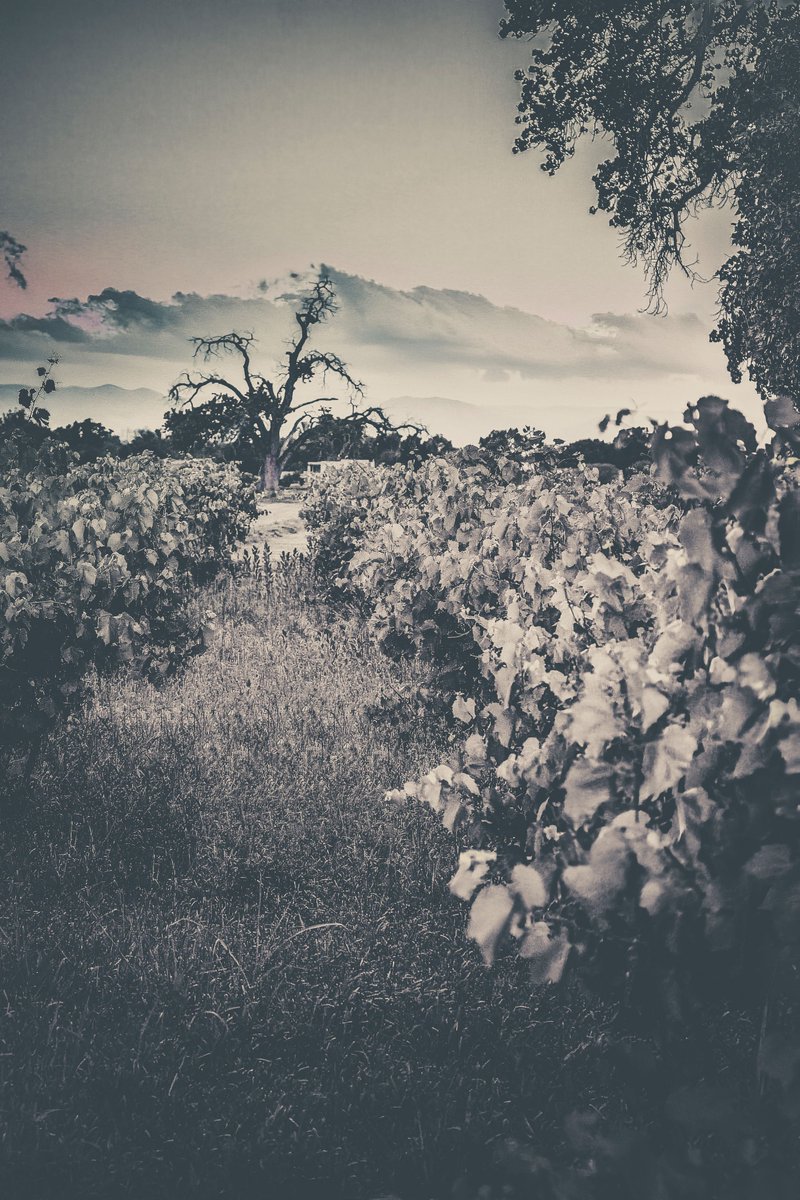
(212, 347)
(12, 252)
(186, 384)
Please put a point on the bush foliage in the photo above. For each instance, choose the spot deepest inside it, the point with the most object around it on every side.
(98, 566)
(624, 659)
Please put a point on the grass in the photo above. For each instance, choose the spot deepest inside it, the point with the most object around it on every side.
(228, 967)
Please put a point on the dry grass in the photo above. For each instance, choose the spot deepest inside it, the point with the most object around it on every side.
(229, 968)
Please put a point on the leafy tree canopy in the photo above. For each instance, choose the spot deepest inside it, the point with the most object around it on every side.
(371, 436)
(519, 444)
(699, 100)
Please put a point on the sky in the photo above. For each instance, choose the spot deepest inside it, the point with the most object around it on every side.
(188, 146)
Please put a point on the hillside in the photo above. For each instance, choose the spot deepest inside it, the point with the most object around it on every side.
(123, 410)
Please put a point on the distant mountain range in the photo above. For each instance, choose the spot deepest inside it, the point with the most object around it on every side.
(462, 422)
(125, 410)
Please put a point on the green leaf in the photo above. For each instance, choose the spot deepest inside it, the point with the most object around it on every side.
(87, 572)
(593, 721)
(586, 787)
(782, 413)
(489, 918)
(666, 761)
(464, 710)
(547, 953)
(14, 583)
(789, 747)
(599, 882)
(653, 705)
(770, 862)
(527, 884)
(697, 540)
(473, 866)
(475, 749)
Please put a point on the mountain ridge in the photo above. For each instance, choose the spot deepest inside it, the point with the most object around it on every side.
(126, 410)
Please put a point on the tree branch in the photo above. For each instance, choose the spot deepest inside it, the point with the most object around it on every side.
(186, 384)
(212, 347)
(12, 252)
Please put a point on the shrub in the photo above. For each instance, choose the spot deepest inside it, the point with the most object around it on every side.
(625, 664)
(99, 563)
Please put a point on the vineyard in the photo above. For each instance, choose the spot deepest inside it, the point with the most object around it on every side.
(227, 964)
(514, 746)
(623, 660)
(385, 817)
(100, 565)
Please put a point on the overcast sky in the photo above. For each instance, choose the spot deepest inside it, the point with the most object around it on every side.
(201, 146)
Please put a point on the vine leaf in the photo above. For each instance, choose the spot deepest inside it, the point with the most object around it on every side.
(546, 952)
(528, 885)
(599, 882)
(489, 918)
(473, 866)
(464, 710)
(587, 787)
(666, 761)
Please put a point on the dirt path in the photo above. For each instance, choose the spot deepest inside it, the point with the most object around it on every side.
(279, 526)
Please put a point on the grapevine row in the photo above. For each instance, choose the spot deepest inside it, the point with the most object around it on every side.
(99, 566)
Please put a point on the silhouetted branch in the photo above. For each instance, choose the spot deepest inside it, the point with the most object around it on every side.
(187, 388)
(12, 252)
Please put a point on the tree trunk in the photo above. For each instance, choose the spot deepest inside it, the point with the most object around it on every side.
(271, 472)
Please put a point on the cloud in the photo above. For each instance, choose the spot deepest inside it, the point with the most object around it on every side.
(425, 324)
(25, 337)
(496, 375)
(677, 344)
(116, 310)
(116, 322)
(424, 341)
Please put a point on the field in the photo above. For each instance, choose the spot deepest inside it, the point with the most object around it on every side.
(229, 966)
(455, 857)
(388, 815)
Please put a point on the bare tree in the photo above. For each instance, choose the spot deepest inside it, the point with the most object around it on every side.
(272, 416)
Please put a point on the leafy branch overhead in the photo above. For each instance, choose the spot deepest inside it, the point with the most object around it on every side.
(30, 398)
(700, 104)
(12, 252)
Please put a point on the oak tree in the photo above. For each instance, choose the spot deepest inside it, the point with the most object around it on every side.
(254, 415)
(699, 104)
